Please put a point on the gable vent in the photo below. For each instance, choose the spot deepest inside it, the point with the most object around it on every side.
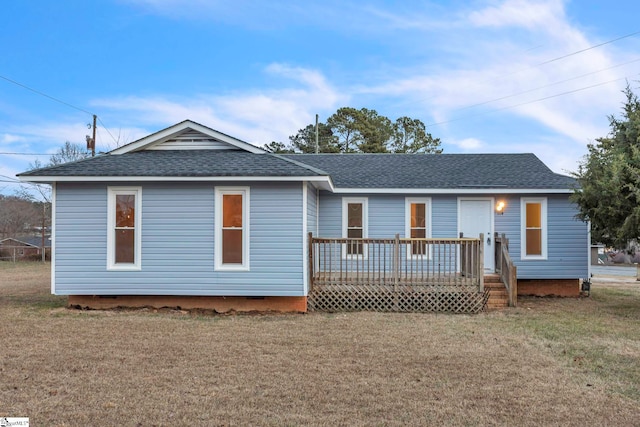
(192, 140)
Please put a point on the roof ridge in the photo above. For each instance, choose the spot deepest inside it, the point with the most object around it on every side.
(303, 165)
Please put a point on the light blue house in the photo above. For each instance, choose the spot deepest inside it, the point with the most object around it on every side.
(191, 217)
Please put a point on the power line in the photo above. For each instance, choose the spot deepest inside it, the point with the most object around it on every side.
(56, 100)
(552, 84)
(107, 129)
(45, 95)
(588, 48)
(526, 103)
(577, 52)
(8, 177)
(546, 86)
(24, 154)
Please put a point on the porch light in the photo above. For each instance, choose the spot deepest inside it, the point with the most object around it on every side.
(500, 207)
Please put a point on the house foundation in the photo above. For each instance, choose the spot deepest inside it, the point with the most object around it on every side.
(549, 287)
(218, 304)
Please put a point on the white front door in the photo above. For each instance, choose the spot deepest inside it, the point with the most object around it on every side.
(475, 216)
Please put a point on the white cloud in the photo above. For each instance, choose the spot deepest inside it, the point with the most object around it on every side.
(255, 115)
(492, 73)
(520, 13)
(468, 144)
(10, 138)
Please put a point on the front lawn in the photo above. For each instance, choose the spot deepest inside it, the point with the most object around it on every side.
(549, 361)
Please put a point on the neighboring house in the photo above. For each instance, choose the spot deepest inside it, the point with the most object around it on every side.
(191, 217)
(16, 249)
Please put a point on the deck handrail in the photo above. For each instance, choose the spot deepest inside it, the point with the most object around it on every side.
(506, 268)
(396, 261)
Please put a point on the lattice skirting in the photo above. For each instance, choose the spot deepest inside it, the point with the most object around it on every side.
(453, 299)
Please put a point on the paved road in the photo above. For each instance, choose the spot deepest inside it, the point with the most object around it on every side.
(613, 270)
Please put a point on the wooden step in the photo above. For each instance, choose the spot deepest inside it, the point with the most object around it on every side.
(498, 295)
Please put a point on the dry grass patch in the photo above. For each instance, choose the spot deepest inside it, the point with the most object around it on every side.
(69, 367)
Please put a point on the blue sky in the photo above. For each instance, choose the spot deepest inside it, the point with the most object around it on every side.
(485, 76)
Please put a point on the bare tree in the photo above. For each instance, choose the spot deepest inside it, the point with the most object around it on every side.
(69, 152)
(17, 216)
(39, 195)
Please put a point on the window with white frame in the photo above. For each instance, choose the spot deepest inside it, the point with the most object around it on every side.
(417, 224)
(124, 215)
(354, 224)
(534, 228)
(232, 228)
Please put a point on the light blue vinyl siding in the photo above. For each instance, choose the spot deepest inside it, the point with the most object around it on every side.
(386, 218)
(567, 237)
(567, 240)
(178, 242)
(386, 215)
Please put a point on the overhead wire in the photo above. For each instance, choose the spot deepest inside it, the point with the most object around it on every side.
(542, 87)
(8, 177)
(546, 86)
(588, 48)
(45, 95)
(526, 103)
(53, 98)
(5, 153)
(107, 129)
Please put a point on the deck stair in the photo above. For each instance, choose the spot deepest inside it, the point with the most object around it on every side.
(498, 295)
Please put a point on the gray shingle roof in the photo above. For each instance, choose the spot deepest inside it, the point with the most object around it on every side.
(179, 163)
(375, 171)
(437, 171)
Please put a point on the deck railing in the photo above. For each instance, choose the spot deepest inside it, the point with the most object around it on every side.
(396, 262)
(506, 268)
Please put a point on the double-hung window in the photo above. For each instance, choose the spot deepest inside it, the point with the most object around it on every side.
(417, 224)
(124, 215)
(232, 228)
(534, 228)
(354, 224)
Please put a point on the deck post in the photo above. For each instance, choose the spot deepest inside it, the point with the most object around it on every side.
(513, 287)
(396, 261)
(480, 263)
(497, 251)
(396, 267)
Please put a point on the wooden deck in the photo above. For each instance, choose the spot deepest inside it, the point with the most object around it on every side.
(412, 275)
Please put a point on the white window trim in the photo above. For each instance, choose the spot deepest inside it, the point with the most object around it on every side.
(218, 264)
(408, 201)
(345, 224)
(112, 192)
(523, 227)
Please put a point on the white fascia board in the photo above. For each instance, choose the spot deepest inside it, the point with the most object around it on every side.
(453, 190)
(170, 132)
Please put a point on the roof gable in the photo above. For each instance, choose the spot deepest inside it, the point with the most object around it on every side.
(188, 135)
(12, 242)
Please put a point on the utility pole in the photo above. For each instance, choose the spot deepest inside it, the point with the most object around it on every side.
(317, 144)
(93, 139)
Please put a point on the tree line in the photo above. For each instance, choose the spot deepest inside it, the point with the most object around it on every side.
(350, 130)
